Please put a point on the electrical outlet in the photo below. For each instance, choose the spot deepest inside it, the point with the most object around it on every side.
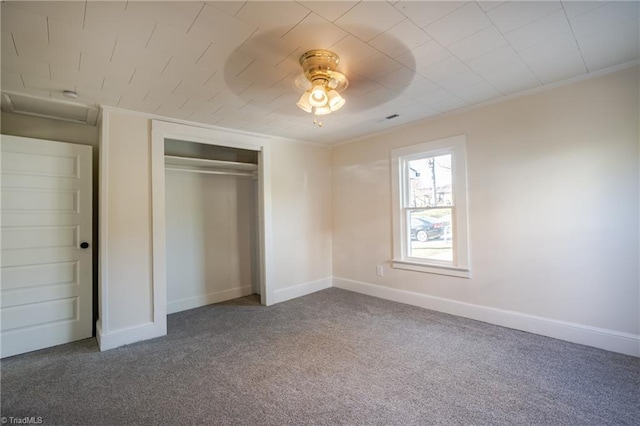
(380, 270)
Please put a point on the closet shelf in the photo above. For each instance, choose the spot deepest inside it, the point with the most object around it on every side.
(172, 160)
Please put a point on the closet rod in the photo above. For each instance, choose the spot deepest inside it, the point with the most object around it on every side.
(212, 172)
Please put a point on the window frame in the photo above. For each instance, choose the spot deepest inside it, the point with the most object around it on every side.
(460, 266)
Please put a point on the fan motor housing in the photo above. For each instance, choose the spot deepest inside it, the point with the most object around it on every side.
(319, 66)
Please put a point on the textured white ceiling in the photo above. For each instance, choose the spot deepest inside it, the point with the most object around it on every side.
(232, 64)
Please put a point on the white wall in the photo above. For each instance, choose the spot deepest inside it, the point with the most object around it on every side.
(553, 209)
(125, 227)
(210, 238)
(301, 211)
(301, 193)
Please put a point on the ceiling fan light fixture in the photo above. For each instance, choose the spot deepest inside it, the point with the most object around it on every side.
(325, 82)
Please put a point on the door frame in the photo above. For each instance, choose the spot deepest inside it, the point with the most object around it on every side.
(162, 130)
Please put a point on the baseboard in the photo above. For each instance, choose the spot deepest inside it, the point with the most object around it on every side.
(625, 343)
(288, 293)
(126, 336)
(207, 299)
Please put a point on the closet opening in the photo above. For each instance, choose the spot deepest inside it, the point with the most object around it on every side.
(211, 222)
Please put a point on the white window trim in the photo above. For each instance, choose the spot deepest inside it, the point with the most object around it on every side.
(460, 267)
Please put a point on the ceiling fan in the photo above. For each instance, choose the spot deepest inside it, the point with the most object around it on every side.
(310, 80)
(321, 82)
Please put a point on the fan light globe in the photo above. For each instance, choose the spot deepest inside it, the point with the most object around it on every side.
(318, 97)
(322, 110)
(335, 100)
(304, 104)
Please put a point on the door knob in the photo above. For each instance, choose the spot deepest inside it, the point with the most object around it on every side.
(84, 245)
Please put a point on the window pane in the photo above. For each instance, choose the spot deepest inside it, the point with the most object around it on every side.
(431, 234)
(430, 181)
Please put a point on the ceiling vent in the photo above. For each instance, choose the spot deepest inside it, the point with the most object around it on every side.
(49, 108)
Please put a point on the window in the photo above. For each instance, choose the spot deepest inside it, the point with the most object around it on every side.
(429, 190)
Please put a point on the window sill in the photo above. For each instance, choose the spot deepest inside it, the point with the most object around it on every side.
(431, 269)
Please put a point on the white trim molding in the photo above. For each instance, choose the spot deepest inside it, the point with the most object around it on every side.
(433, 269)
(532, 91)
(299, 290)
(103, 229)
(127, 336)
(614, 341)
(403, 208)
(162, 130)
(207, 299)
(227, 130)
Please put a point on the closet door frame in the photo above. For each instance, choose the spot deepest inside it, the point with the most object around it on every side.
(161, 130)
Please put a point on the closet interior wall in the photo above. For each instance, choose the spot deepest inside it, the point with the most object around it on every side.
(211, 224)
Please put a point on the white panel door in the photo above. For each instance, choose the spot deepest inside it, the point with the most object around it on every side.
(45, 218)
